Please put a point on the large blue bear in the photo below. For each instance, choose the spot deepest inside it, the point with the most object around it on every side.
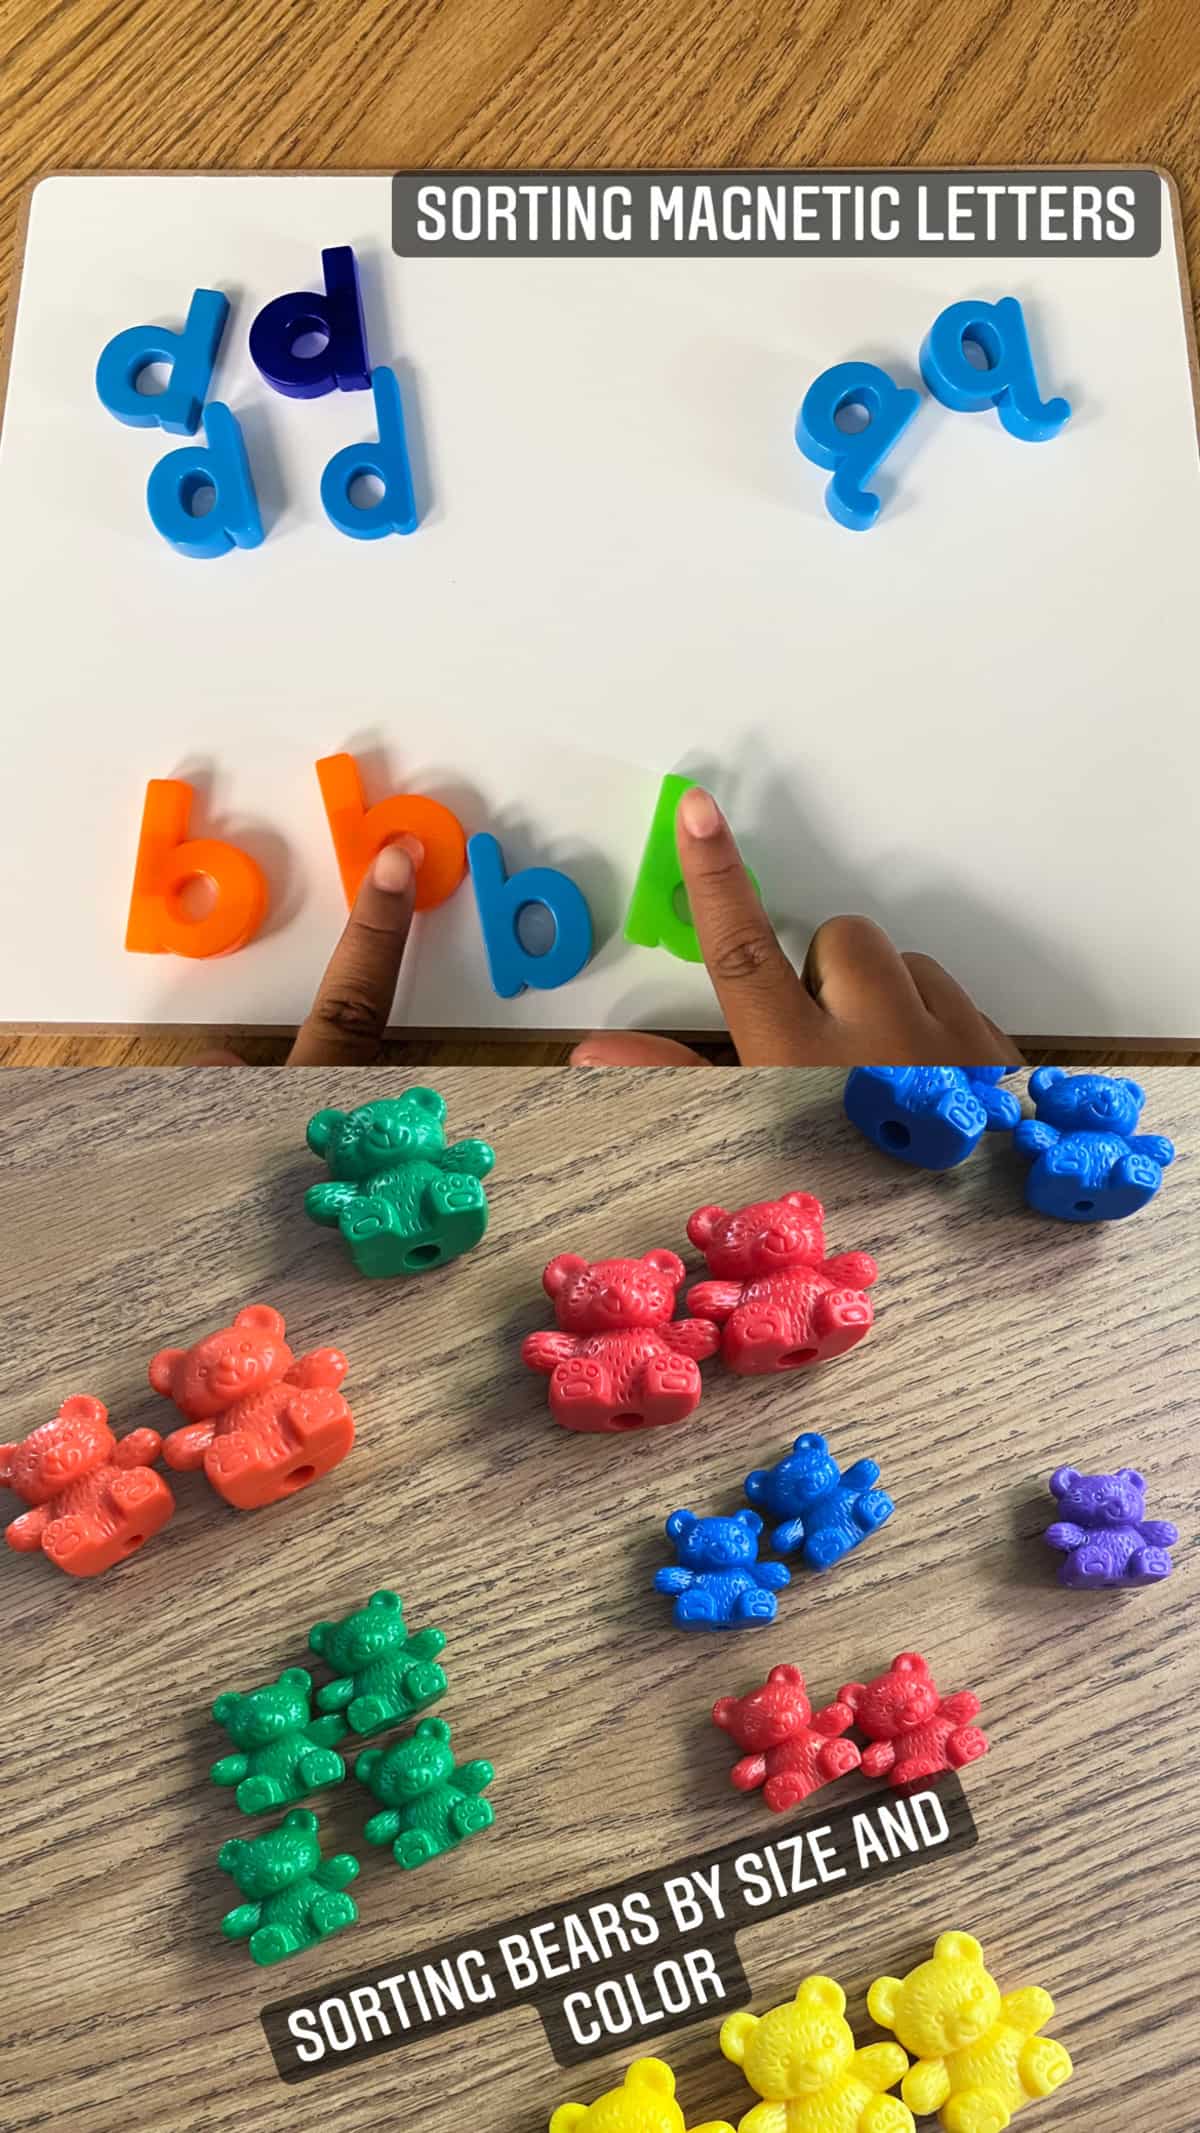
(1089, 1163)
(933, 1117)
(824, 1512)
(719, 1582)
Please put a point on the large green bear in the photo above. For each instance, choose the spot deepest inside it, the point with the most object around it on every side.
(296, 1898)
(429, 1806)
(385, 1673)
(283, 1751)
(401, 1198)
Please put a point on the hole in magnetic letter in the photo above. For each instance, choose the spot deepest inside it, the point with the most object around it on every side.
(309, 340)
(536, 928)
(364, 491)
(196, 897)
(980, 354)
(152, 379)
(852, 417)
(197, 495)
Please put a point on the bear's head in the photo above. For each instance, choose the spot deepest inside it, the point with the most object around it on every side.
(266, 1714)
(409, 1767)
(351, 1644)
(77, 1442)
(795, 2050)
(714, 1543)
(606, 1295)
(894, 1702)
(644, 2103)
(381, 1135)
(225, 1366)
(808, 1471)
(264, 1864)
(1086, 1103)
(768, 1715)
(1100, 1499)
(943, 2005)
(764, 1238)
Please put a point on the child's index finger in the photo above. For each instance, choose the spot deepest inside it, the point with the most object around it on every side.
(772, 1020)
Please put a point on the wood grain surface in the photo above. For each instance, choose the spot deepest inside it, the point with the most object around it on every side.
(251, 84)
(142, 1209)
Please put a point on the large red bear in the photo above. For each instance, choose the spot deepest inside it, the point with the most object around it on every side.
(780, 1301)
(794, 1750)
(94, 1500)
(262, 1423)
(619, 1360)
(913, 1731)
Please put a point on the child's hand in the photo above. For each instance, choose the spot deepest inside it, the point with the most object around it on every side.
(857, 1002)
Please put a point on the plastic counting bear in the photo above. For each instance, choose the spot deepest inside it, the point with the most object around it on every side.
(644, 2103)
(801, 2059)
(823, 1513)
(283, 1752)
(294, 1897)
(779, 1301)
(92, 1500)
(1088, 1161)
(402, 1199)
(792, 1750)
(385, 1674)
(429, 1805)
(1103, 1533)
(979, 2057)
(914, 1732)
(719, 1582)
(932, 1117)
(619, 1359)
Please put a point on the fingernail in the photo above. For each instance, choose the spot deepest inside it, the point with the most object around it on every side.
(699, 813)
(395, 866)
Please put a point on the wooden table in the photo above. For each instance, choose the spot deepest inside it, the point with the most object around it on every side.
(141, 1210)
(246, 84)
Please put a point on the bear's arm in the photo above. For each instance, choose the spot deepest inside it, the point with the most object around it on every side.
(324, 1203)
(336, 1694)
(926, 2086)
(473, 1777)
(239, 1924)
(674, 1579)
(383, 1828)
(425, 1644)
(862, 1475)
(877, 1761)
(1026, 2010)
(1158, 1532)
(25, 1533)
(857, 1269)
(749, 1773)
(140, 1448)
(697, 1337)
(544, 1351)
(230, 1770)
(325, 1732)
(1064, 1535)
(834, 1719)
(771, 1577)
(184, 1449)
(320, 1371)
(788, 1537)
(338, 1872)
(717, 1300)
(1156, 1145)
(474, 1158)
(1034, 1137)
(881, 2066)
(961, 1707)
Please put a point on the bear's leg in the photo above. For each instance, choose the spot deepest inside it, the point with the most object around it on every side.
(1147, 1566)
(581, 1394)
(271, 1943)
(255, 1795)
(70, 1542)
(468, 1816)
(873, 1510)
(414, 1846)
(1043, 2066)
(1091, 1567)
(331, 1911)
(317, 1430)
(423, 1684)
(787, 1788)
(827, 1546)
(763, 1338)
(670, 1389)
(320, 1766)
(366, 1714)
(886, 2114)
(377, 1235)
(697, 1605)
(975, 2111)
(841, 1318)
(965, 1745)
(756, 1605)
(458, 1217)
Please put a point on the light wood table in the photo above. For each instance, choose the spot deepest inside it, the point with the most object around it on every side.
(244, 84)
(142, 1210)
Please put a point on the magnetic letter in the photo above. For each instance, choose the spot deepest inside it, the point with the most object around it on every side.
(653, 919)
(167, 860)
(395, 511)
(222, 466)
(335, 320)
(853, 455)
(359, 831)
(502, 897)
(191, 355)
(1009, 384)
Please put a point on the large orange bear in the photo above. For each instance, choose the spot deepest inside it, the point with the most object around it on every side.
(94, 1500)
(780, 1302)
(262, 1422)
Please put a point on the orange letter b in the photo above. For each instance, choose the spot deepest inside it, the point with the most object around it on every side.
(167, 861)
(359, 831)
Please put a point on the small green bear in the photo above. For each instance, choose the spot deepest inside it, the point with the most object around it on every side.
(296, 1898)
(429, 1806)
(285, 1752)
(386, 1675)
(401, 1198)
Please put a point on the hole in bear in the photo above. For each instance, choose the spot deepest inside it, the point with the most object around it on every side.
(627, 1421)
(423, 1255)
(1084, 1207)
(299, 1476)
(893, 1134)
(795, 1356)
(131, 1541)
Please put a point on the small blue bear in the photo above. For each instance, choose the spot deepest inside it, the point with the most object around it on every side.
(826, 1513)
(719, 1581)
(1089, 1164)
(933, 1117)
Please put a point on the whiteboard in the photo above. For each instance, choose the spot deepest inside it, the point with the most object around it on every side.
(976, 722)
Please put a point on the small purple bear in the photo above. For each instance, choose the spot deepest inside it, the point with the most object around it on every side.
(1106, 1538)
(719, 1582)
(825, 1513)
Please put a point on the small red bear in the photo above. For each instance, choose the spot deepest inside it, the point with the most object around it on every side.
(781, 1302)
(95, 1500)
(794, 1749)
(619, 1361)
(262, 1424)
(913, 1731)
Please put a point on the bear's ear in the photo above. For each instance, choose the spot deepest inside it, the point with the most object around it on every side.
(225, 1706)
(1130, 1474)
(757, 1484)
(883, 2000)
(318, 1636)
(302, 1818)
(725, 1713)
(567, 2117)
(562, 1270)
(230, 1852)
(670, 1264)
(1136, 1091)
(652, 2074)
(162, 1368)
(805, 1201)
(320, 1128)
(1043, 1079)
(679, 1524)
(853, 1693)
(821, 1992)
(81, 1407)
(386, 1602)
(811, 1441)
(1063, 1479)
(749, 1519)
(790, 1675)
(433, 1729)
(368, 1761)
(262, 1319)
(427, 1100)
(704, 1224)
(736, 2032)
(296, 1677)
(957, 1948)
(909, 1663)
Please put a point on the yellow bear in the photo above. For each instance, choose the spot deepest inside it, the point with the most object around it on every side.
(644, 2103)
(801, 2059)
(978, 2057)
